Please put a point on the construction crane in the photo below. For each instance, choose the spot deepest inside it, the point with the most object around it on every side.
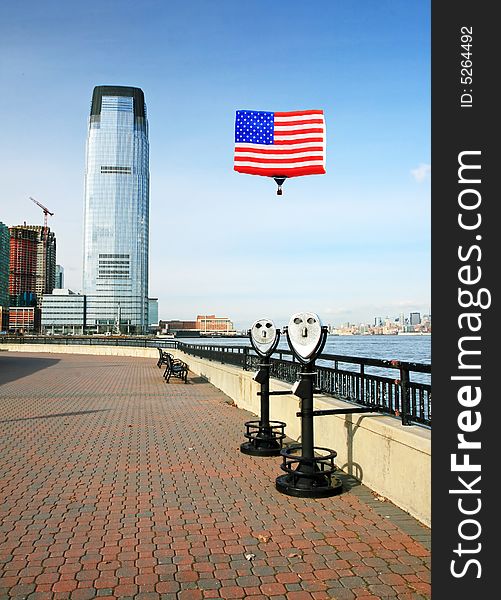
(46, 212)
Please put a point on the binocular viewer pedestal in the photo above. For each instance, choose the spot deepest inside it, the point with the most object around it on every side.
(265, 437)
(308, 477)
(309, 470)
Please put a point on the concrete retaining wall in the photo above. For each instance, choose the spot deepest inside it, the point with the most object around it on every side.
(390, 459)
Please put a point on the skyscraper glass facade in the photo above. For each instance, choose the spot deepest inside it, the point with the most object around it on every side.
(116, 221)
(59, 277)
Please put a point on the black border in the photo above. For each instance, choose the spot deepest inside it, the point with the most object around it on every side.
(456, 129)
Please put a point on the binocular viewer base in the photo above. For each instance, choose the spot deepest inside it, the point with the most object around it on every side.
(263, 439)
(308, 477)
(262, 450)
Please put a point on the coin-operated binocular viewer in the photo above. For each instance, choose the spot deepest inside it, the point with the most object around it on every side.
(308, 469)
(264, 437)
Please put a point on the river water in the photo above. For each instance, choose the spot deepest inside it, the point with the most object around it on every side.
(412, 348)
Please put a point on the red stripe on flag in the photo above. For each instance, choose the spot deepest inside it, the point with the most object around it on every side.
(284, 161)
(272, 150)
(298, 113)
(299, 131)
(301, 141)
(287, 172)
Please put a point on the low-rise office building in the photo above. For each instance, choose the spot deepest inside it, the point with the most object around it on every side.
(63, 312)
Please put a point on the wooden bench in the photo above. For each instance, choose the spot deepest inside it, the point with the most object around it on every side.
(175, 367)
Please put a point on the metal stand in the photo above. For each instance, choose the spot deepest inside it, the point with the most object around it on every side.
(265, 437)
(309, 471)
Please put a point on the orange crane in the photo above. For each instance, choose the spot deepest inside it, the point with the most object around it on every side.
(46, 213)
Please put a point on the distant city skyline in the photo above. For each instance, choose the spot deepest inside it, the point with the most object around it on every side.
(375, 321)
(349, 245)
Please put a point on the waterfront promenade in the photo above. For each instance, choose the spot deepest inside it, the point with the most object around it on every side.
(116, 484)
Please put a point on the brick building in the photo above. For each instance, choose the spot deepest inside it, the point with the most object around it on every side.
(24, 319)
(213, 324)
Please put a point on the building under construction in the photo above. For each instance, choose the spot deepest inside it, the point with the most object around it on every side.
(32, 270)
(4, 276)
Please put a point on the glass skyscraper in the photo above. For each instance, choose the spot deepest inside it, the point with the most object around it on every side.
(115, 264)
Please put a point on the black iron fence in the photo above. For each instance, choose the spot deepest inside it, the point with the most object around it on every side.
(388, 386)
(89, 340)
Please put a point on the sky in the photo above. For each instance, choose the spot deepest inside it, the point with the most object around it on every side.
(350, 245)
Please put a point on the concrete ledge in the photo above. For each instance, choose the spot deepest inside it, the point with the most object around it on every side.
(390, 459)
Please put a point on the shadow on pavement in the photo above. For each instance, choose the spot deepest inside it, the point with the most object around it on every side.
(349, 482)
(197, 380)
(14, 366)
(66, 414)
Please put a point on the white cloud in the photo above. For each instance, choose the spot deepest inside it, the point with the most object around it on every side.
(421, 172)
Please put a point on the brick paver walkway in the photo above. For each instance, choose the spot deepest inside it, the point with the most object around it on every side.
(116, 484)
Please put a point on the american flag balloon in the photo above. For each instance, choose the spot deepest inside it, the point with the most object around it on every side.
(280, 144)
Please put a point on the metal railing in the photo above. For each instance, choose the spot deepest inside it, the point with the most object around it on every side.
(362, 381)
(387, 386)
(89, 340)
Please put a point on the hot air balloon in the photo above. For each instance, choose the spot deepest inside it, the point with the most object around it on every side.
(280, 144)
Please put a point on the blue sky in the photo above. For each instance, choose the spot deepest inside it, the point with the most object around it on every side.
(350, 245)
